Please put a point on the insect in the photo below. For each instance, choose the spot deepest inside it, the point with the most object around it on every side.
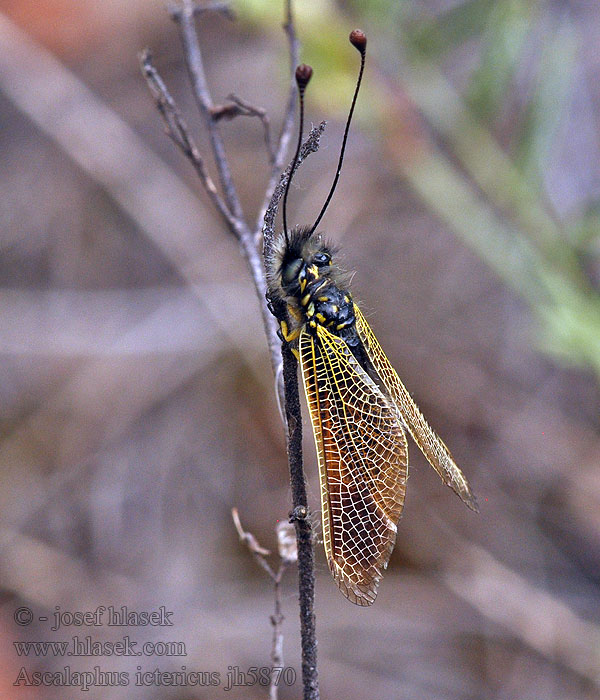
(359, 408)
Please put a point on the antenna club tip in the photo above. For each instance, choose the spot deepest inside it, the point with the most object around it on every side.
(358, 39)
(303, 75)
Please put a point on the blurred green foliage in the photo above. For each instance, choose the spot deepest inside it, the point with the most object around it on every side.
(493, 81)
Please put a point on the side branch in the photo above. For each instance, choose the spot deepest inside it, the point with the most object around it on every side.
(178, 132)
(311, 145)
(287, 556)
(222, 8)
(288, 121)
(238, 107)
(185, 19)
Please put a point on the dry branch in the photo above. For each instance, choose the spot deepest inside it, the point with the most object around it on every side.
(228, 204)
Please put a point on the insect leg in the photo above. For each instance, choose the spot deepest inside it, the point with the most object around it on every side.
(286, 334)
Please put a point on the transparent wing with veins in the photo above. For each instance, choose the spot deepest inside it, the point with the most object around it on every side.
(363, 463)
(430, 444)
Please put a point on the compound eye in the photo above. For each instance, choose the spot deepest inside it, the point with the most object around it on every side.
(290, 271)
(322, 259)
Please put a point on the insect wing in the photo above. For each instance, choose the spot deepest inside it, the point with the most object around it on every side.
(363, 462)
(430, 444)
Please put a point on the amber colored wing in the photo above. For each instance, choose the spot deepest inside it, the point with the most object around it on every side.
(430, 444)
(363, 462)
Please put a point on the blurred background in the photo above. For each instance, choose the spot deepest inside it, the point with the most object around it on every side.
(137, 404)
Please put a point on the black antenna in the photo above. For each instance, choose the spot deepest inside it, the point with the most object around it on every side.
(303, 75)
(358, 39)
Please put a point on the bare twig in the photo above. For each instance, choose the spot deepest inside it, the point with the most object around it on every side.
(222, 8)
(277, 619)
(179, 133)
(252, 543)
(241, 108)
(177, 130)
(285, 369)
(288, 122)
(300, 515)
(193, 58)
(287, 557)
(311, 145)
(236, 222)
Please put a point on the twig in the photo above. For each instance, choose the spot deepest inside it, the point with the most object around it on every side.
(277, 619)
(241, 108)
(288, 122)
(300, 515)
(222, 8)
(179, 133)
(177, 130)
(311, 145)
(301, 518)
(235, 222)
(195, 66)
(252, 543)
(285, 370)
(287, 556)
(236, 225)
